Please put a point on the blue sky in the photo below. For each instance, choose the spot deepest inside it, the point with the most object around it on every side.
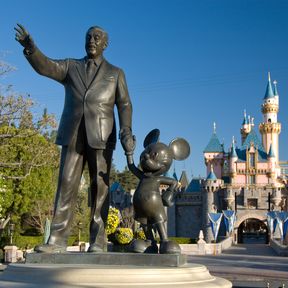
(187, 63)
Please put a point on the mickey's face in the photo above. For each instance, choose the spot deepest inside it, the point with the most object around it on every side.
(156, 158)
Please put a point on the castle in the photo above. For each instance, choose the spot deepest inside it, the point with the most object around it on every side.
(248, 178)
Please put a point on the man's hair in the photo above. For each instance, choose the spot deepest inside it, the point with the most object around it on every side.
(102, 30)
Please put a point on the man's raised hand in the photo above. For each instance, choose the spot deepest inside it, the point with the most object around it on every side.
(23, 37)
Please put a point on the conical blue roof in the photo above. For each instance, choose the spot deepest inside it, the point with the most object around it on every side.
(211, 176)
(116, 186)
(252, 138)
(245, 118)
(269, 90)
(271, 153)
(233, 151)
(214, 145)
(184, 179)
(175, 175)
(194, 185)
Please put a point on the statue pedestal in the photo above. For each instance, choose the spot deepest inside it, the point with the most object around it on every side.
(172, 272)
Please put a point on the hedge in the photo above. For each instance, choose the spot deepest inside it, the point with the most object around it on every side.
(28, 242)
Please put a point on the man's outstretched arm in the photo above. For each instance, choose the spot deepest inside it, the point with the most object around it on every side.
(55, 69)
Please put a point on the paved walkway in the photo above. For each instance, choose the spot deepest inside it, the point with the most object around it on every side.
(248, 265)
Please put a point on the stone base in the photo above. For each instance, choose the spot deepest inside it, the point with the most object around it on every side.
(111, 270)
(108, 258)
(65, 275)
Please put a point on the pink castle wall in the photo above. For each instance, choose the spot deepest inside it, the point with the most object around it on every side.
(240, 179)
(261, 179)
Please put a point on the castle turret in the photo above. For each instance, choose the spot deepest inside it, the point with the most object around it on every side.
(214, 154)
(245, 128)
(232, 163)
(210, 201)
(271, 164)
(270, 128)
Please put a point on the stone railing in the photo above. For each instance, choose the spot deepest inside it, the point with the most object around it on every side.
(280, 249)
(203, 248)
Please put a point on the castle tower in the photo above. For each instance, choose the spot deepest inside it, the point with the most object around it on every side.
(271, 165)
(245, 128)
(214, 155)
(210, 201)
(270, 128)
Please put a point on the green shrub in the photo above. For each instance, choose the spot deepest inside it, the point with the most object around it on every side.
(27, 242)
(183, 240)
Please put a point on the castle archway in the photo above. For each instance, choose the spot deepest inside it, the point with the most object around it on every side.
(244, 218)
(252, 231)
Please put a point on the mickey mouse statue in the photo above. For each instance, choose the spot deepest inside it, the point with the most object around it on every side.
(148, 202)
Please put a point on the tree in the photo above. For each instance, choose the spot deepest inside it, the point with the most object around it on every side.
(127, 179)
(28, 159)
(81, 218)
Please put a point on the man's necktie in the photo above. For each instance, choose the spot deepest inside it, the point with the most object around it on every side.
(90, 70)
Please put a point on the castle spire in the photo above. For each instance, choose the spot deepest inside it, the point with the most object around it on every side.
(211, 175)
(270, 128)
(269, 90)
(233, 150)
(245, 118)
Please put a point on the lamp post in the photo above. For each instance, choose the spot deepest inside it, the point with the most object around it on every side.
(11, 231)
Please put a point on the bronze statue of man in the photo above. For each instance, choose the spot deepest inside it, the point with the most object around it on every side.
(87, 131)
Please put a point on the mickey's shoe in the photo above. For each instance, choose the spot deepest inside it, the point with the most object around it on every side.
(169, 247)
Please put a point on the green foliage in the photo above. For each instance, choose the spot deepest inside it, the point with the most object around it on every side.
(113, 174)
(6, 196)
(28, 159)
(183, 240)
(124, 235)
(27, 242)
(127, 179)
(81, 217)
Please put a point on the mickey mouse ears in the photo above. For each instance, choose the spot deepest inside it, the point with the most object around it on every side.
(152, 137)
(180, 148)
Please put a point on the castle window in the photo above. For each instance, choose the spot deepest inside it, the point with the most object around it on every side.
(269, 120)
(252, 179)
(252, 159)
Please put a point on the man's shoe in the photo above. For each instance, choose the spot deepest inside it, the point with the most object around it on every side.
(49, 248)
(94, 248)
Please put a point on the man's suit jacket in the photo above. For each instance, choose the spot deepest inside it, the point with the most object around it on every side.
(94, 101)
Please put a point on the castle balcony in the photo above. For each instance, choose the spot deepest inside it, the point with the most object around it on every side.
(270, 128)
(270, 108)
